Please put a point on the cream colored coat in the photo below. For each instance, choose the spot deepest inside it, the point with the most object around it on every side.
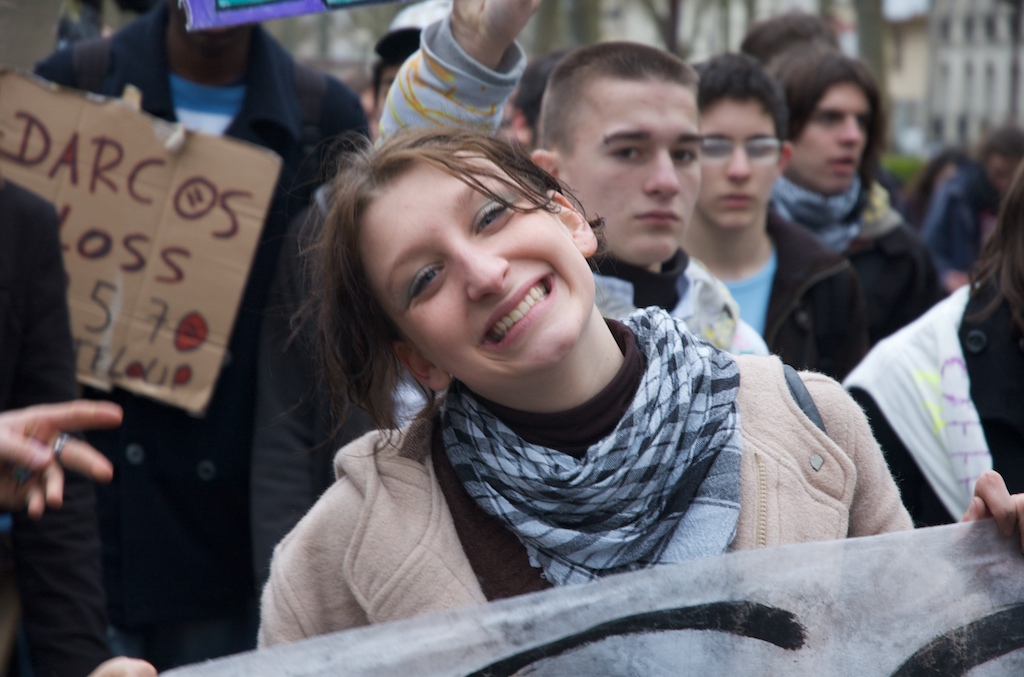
(381, 545)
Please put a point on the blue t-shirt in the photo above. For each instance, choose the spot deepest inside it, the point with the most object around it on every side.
(752, 293)
(206, 108)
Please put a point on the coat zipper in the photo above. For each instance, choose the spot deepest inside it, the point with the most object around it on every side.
(762, 503)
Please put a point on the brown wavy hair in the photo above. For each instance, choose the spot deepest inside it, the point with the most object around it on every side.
(807, 72)
(1000, 266)
(354, 334)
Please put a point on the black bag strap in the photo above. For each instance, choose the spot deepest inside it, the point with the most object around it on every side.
(803, 397)
(90, 60)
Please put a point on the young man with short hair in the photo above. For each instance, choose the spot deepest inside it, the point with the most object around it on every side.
(618, 126)
(804, 299)
(836, 125)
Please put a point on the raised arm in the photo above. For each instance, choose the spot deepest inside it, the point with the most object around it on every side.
(467, 67)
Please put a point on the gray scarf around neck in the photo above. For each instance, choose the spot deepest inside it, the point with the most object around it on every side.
(834, 219)
(664, 487)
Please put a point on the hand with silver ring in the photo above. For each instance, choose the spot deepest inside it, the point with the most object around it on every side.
(31, 470)
(58, 446)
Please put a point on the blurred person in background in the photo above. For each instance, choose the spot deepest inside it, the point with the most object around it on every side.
(944, 394)
(829, 187)
(522, 112)
(83, 19)
(804, 298)
(962, 215)
(175, 524)
(55, 556)
(770, 37)
(35, 441)
(927, 181)
(392, 50)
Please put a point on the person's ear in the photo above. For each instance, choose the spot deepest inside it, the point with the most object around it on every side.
(785, 153)
(422, 369)
(548, 160)
(579, 228)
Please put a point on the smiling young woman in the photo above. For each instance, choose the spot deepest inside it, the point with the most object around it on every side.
(557, 447)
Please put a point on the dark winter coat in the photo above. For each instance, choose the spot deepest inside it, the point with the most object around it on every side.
(57, 558)
(175, 521)
(817, 318)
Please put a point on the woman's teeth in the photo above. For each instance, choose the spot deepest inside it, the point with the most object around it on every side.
(502, 326)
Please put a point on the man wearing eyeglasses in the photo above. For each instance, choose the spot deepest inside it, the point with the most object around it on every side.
(804, 299)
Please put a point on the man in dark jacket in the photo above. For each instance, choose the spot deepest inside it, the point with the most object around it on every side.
(804, 299)
(175, 521)
(56, 558)
(829, 187)
(963, 213)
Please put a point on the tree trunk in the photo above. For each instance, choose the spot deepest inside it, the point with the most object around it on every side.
(586, 21)
(667, 22)
(548, 22)
(871, 34)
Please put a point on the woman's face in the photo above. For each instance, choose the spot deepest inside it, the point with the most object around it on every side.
(490, 296)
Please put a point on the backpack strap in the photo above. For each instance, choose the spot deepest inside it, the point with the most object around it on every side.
(803, 397)
(90, 60)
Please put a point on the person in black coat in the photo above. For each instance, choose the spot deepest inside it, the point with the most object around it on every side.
(175, 522)
(985, 322)
(56, 557)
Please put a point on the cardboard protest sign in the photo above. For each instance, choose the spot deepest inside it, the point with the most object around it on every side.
(216, 13)
(942, 601)
(158, 226)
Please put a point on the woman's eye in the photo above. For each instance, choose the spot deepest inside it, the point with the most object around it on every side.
(491, 215)
(422, 280)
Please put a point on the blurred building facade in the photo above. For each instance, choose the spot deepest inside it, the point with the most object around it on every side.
(907, 58)
(971, 54)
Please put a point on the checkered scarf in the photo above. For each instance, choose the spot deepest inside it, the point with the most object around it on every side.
(835, 219)
(663, 487)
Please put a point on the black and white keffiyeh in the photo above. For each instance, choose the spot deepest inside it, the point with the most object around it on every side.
(664, 487)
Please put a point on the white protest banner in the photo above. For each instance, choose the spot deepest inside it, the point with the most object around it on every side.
(943, 601)
(158, 226)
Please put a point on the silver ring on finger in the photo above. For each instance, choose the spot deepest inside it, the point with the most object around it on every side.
(58, 446)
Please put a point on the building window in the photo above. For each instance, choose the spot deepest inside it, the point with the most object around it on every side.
(937, 129)
(970, 100)
(942, 87)
(990, 87)
(969, 29)
(944, 29)
(897, 48)
(991, 28)
(961, 129)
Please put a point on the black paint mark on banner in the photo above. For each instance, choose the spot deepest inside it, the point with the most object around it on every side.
(961, 650)
(744, 619)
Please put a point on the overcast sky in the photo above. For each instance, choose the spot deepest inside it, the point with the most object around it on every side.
(897, 10)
